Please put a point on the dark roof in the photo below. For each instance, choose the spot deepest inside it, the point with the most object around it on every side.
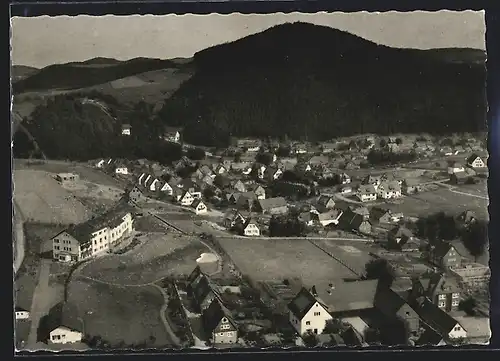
(351, 220)
(196, 202)
(376, 213)
(388, 301)
(429, 338)
(213, 315)
(435, 317)
(472, 158)
(81, 232)
(64, 314)
(270, 203)
(302, 303)
(349, 296)
(439, 283)
(324, 199)
(351, 337)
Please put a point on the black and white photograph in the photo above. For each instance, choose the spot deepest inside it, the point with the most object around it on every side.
(250, 181)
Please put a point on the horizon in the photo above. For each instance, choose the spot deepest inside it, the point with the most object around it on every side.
(52, 45)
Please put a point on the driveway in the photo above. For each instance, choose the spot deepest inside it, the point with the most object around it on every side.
(42, 302)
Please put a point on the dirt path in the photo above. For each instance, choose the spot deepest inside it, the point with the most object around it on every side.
(18, 238)
(41, 303)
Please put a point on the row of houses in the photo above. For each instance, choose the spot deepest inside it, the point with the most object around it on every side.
(423, 306)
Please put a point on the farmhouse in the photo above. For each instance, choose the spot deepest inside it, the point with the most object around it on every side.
(475, 161)
(445, 255)
(380, 215)
(202, 290)
(372, 180)
(64, 325)
(185, 198)
(273, 206)
(324, 202)
(366, 193)
(93, 237)
(219, 324)
(67, 177)
(126, 129)
(172, 134)
(239, 186)
(400, 236)
(439, 321)
(307, 313)
(441, 290)
(199, 207)
(259, 191)
(344, 178)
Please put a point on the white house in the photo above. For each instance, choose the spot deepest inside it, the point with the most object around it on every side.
(250, 228)
(186, 199)
(141, 178)
(389, 190)
(475, 161)
(306, 313)
(121, 170)
(126, 129)
(64, 324)
(330, 217)
(455, 167)
(199, 207)
(261, 171)
(155, 184)
(100, 163)
(167, 188)
(366, 193)
(21, 313)
(345, 178)
(64, 335)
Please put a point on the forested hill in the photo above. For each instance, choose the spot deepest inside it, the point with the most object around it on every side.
(311, 81)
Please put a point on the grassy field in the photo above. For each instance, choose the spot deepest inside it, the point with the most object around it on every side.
(279, 259)
(121, 316)
(42, 199)
(157, 257)
(440, 200)
(150, 224)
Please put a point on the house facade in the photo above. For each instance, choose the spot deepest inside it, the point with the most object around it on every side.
(389, 190)
(475, 161)
(63, 335)
(251, 229)
(445, 255)
(126, 129)
(21, 314)
(220, 325)
(443, 291)
(186, 199)
(136, 195)
(93, 237)
(121, 170)
(455, 168)
(366, 193)
(199, 207)
(306, 313)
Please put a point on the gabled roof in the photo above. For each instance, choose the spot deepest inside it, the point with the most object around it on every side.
(351, 220)
(197, 202)
(401, 232)
(271, 203)
(376, 213)
(302, 303)
(439, 283)
(435, 317)
(429, 338)
(82, 231)
(324, 199)
(388, 301)
(473, 157)
(213, 315)
(328, 215)
(367, 189)
(64, 314)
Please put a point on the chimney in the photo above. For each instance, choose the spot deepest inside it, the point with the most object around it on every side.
(313, 291)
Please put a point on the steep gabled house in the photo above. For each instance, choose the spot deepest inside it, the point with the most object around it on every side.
(141, 178)
(172, 134)
(258, 190)
(199, 206)
(232, 217)
(220, 169)
(440, 289)
(362, 211)
(475, 161)
(344, 178)
(467, 218)
(239, 186)
(219, 324)
(439, 321)
(203, 291)
(135, 195)
(306, 313)
(272, 173)
(248, 228)
(154, 185)
(185, 198)
(445, 255)
(166, 187)
(324, 203)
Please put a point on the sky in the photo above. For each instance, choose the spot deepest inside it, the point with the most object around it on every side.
(42, 41)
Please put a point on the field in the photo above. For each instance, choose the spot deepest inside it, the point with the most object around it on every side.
(40, 234)
(85, 173)
(157, 256)
(441, 200)
(42, 199)
(264, 259)
(120, 316)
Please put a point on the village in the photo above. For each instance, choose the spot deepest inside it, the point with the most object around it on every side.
(284, 243)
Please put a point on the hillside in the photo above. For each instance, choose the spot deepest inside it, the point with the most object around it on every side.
(19, 72)
(315, 82)
(89, 73)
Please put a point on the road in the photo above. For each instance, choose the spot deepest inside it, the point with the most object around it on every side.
(41, 303)
(18, 238)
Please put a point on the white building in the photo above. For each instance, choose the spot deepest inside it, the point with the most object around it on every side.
(455, 168)
(93, 237)
(21, 313)
(366, 193)
(389, 190)
(186, 199)
(250, 228)
(100, 163)
(306, 313)
(121, 170)
(126, 129)
(199, 207)
(64, 324)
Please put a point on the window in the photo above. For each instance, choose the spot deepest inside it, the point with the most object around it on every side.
(225, 327)
(442, 297)
(456, 295)
(457, 328)
(308, 323)
(56, 337)
(317, 313)
(56, 240)
(454, 303)
(441, 304)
